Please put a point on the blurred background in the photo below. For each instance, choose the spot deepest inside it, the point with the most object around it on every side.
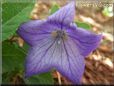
(95, 16)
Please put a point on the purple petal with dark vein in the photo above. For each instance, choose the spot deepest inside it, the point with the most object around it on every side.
(70, 63)
(39, 58)
(86, 41)
(65, 15)
(36, 30)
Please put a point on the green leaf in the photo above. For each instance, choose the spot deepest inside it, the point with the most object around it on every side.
(54, 8)
(11, 9)
(44, 78)
(7, 76)
(13, 15)
(12, 57)
(83, 25)
(23, 1)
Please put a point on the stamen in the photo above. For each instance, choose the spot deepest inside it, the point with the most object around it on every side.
(59, 34)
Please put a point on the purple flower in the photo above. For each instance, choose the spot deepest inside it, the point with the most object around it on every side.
(58, 43)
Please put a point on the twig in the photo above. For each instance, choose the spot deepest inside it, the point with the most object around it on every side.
(59, 78)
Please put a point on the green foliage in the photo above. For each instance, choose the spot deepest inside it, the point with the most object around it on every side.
(12, 57)
(13, 15)
(18, 1)
(44, 78)
(14, 9)
(54, 8)
(7, 76)
(83, 25)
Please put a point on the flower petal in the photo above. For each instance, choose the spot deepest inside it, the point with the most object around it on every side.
(86, 41)
(39, 57)
(49, 54)
(71, 63)
(65, 15)
(36, 30)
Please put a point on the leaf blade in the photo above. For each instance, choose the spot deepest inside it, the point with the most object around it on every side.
(44, 78)
(83, 25)
(53, 9)
(11, 25)
(12, 57)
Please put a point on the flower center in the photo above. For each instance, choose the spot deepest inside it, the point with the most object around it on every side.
(59, 35)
